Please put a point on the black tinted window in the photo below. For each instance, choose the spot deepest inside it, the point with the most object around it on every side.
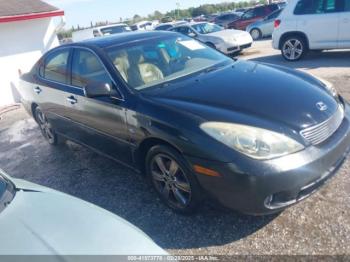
(274, 14)
(163, 27)
(343, 5)
(259, 11)
(184, 30)
(304, 7)
(56, 67)
(249, 14)
(87, 68)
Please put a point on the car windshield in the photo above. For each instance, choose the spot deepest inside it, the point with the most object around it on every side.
(154, 61)
(207, 28)
(7, 192)
(115, 30)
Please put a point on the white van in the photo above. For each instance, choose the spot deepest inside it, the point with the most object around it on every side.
(312, 25)
(99, 31)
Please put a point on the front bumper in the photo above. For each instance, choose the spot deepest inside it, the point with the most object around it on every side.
(230, 48)
(263, 187)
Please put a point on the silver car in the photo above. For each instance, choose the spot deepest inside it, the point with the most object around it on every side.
(227, 41)
(264, 27)
(36, 220)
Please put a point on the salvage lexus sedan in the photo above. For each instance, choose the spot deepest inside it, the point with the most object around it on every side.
(257, 138)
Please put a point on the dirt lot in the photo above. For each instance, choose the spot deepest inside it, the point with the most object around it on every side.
(319, 225)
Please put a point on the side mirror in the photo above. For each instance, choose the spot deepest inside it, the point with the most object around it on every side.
(98, 89)
(191, 34)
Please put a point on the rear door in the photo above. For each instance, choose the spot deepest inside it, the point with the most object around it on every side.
(52, 88)
(99, 122)
(319, 20)
(344, 24)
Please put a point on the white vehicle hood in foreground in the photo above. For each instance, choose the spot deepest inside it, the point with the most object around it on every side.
(43, 221)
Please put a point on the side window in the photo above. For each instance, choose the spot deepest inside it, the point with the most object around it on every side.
(274, 15)
(56, 67)
(184, 30)
(330, 6)
(87, 68)
(248, 15)
(346, 6)
(261, 11)
(304, 7)
(231, 17)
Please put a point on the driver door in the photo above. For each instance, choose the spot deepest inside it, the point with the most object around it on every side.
(99, 122)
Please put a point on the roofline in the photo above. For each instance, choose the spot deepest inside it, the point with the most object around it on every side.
(15, 18)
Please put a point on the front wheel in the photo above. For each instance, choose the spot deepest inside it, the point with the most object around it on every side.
(45, 127)
(174, 182)
(293, 48)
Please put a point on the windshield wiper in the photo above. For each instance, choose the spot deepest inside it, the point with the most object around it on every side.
(212, 68)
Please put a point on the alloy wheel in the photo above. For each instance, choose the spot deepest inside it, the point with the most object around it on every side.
(255, 33)
(170, 180)
(293, 49)
(45, 127)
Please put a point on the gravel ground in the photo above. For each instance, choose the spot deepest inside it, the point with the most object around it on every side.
(319, 225)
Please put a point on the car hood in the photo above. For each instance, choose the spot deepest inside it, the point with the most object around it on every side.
(267, 92)
(227, 34)
(41, 221)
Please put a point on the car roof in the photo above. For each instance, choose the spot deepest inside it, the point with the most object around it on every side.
(111, 25)
(122, 38)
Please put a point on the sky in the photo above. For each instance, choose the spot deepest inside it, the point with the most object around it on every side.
(83, 11)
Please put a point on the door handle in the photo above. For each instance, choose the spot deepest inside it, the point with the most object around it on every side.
(72, 100)
(346, 20)
(37, 90)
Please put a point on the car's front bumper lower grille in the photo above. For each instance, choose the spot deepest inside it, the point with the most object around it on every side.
(319, 133)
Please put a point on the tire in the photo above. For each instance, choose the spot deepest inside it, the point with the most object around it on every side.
(293, 48)
(45, 127)
(211, 45)
(172, 179)
(255, 33)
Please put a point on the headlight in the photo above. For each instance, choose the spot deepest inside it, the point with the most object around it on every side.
(328, 85)
(254, 142)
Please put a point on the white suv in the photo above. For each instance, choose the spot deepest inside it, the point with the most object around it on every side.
(312, 25)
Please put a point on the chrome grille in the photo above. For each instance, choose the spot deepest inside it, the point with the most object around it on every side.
(318, 133)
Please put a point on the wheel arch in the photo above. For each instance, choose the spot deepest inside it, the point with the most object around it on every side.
(33, 107)
(146, 145)
(293, 33)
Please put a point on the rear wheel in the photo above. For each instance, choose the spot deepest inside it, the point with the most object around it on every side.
(255, 33)
(293, 48)
(45, 127)
(174, 182)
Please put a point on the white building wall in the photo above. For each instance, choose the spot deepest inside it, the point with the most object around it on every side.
(21, 44)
